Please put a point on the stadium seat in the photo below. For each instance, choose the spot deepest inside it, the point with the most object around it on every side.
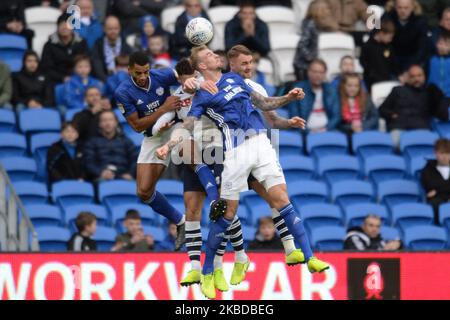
(20, 168)
(53, 239)
(117, 192)
(42, 215)
(390, 233)
(7, 121)
(251, 199)
(70, 114)
(283, 48)
(172, 190)
(381, 90)
(297, 168)
(306, 192)
(105, 238)
(321, 215)
(290, 143)
(406, 215)
(327, 143)
(49, 121)
(441, 127)
(248, 233)
(259, 211)
(31, 192)
(71, 213)
(158, 233)
(425, 238)
(266, 66)
(417, 143)
(301, 8)
(148, 216)
(332, 47)
(356, 213)
(135, 137)
(416, 165)
(279, 19)
(345, 193)
(43, 21)
(169, 17)
(329, 238)
(12, 145)
(369, 143)
(336, 168)
(219, 17)
(394, 192)
(71, 192)
(444, 216)
(385, 167)
(39, 145)
(59, 95)
(12, 48)
(242, 212)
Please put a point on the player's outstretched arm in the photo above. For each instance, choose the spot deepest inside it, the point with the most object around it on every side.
(272, 103)
(178, 136)
(277, 122)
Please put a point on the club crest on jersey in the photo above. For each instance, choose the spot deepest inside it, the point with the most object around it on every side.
(160, 91)
(230, 80)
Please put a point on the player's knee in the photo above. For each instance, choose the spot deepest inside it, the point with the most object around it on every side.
(280, 200)
(193, 215)
(144, 194)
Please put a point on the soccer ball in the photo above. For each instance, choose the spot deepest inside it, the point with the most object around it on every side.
(199, 31)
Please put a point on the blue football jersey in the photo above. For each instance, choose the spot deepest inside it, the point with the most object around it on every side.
(131, 98)
(231, 109)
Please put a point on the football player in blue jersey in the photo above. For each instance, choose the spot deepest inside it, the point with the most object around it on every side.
(143, 98)
(247, 151)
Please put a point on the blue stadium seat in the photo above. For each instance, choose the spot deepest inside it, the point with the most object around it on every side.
(158, 233)
(390, 233)
(370, 143)
(248, 233)
(444, 216)
(251, 199)
(71, 213)
(12, 145)
(442, 127)
(53, 239)
(259, 211)
(394, 192)
(7, 121)
(117, 192)
(326, 143)
(39, 145)
(49, 121)
(425, 238)
(148, 216)
(291, 143)
(297, 168)
(42, 215)
(31, 192)
(345, 193)
(105, 238)
(385, 167)
(173, 191)
(242, 212)
(71, 192)
(356, 213)
(306, 192)
(70, 114)
(417, 143)
(406, 215)
(12, 48)
(321, 215)
(59, 95)
(328, 238)
(416, 165)
(20, 168)
(338, 168)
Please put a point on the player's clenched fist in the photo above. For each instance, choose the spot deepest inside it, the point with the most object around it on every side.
(172, 103)
(297, 122)
(296, 94)
(162, 152)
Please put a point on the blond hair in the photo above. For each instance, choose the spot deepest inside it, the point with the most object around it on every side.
(194, 58)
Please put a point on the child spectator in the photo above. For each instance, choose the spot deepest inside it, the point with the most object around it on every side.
(30, 86)
(75, 87)
(86, 223)
(435, 177)
(149, 27)
(64, 156)
(440, 64)
(168, 244)
(121, 74)
(134, 238)
(266, 238)
(377, 55)
(357, 110)
(157, 49)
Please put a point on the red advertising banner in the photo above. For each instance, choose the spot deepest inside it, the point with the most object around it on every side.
(157, 275)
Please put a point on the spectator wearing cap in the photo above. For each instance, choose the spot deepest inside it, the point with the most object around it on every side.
(60, 50)
(368, 237)
(266, 237)
(149, 26)
(435, 177)
(12, 20)
(107, 48)
(86, 224)
(247, 29)
(90, 27)
(439, 67)
(181, 47)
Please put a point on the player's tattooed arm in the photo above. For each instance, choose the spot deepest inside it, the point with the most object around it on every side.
(278, 122)
(272, 103)
(178, 136)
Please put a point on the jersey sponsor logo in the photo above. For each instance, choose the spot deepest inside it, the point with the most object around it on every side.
(232, 93)
(160, 91)
(152, 106)
(139, 102)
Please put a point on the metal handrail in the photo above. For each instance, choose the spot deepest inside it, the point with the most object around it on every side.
(9, 226)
